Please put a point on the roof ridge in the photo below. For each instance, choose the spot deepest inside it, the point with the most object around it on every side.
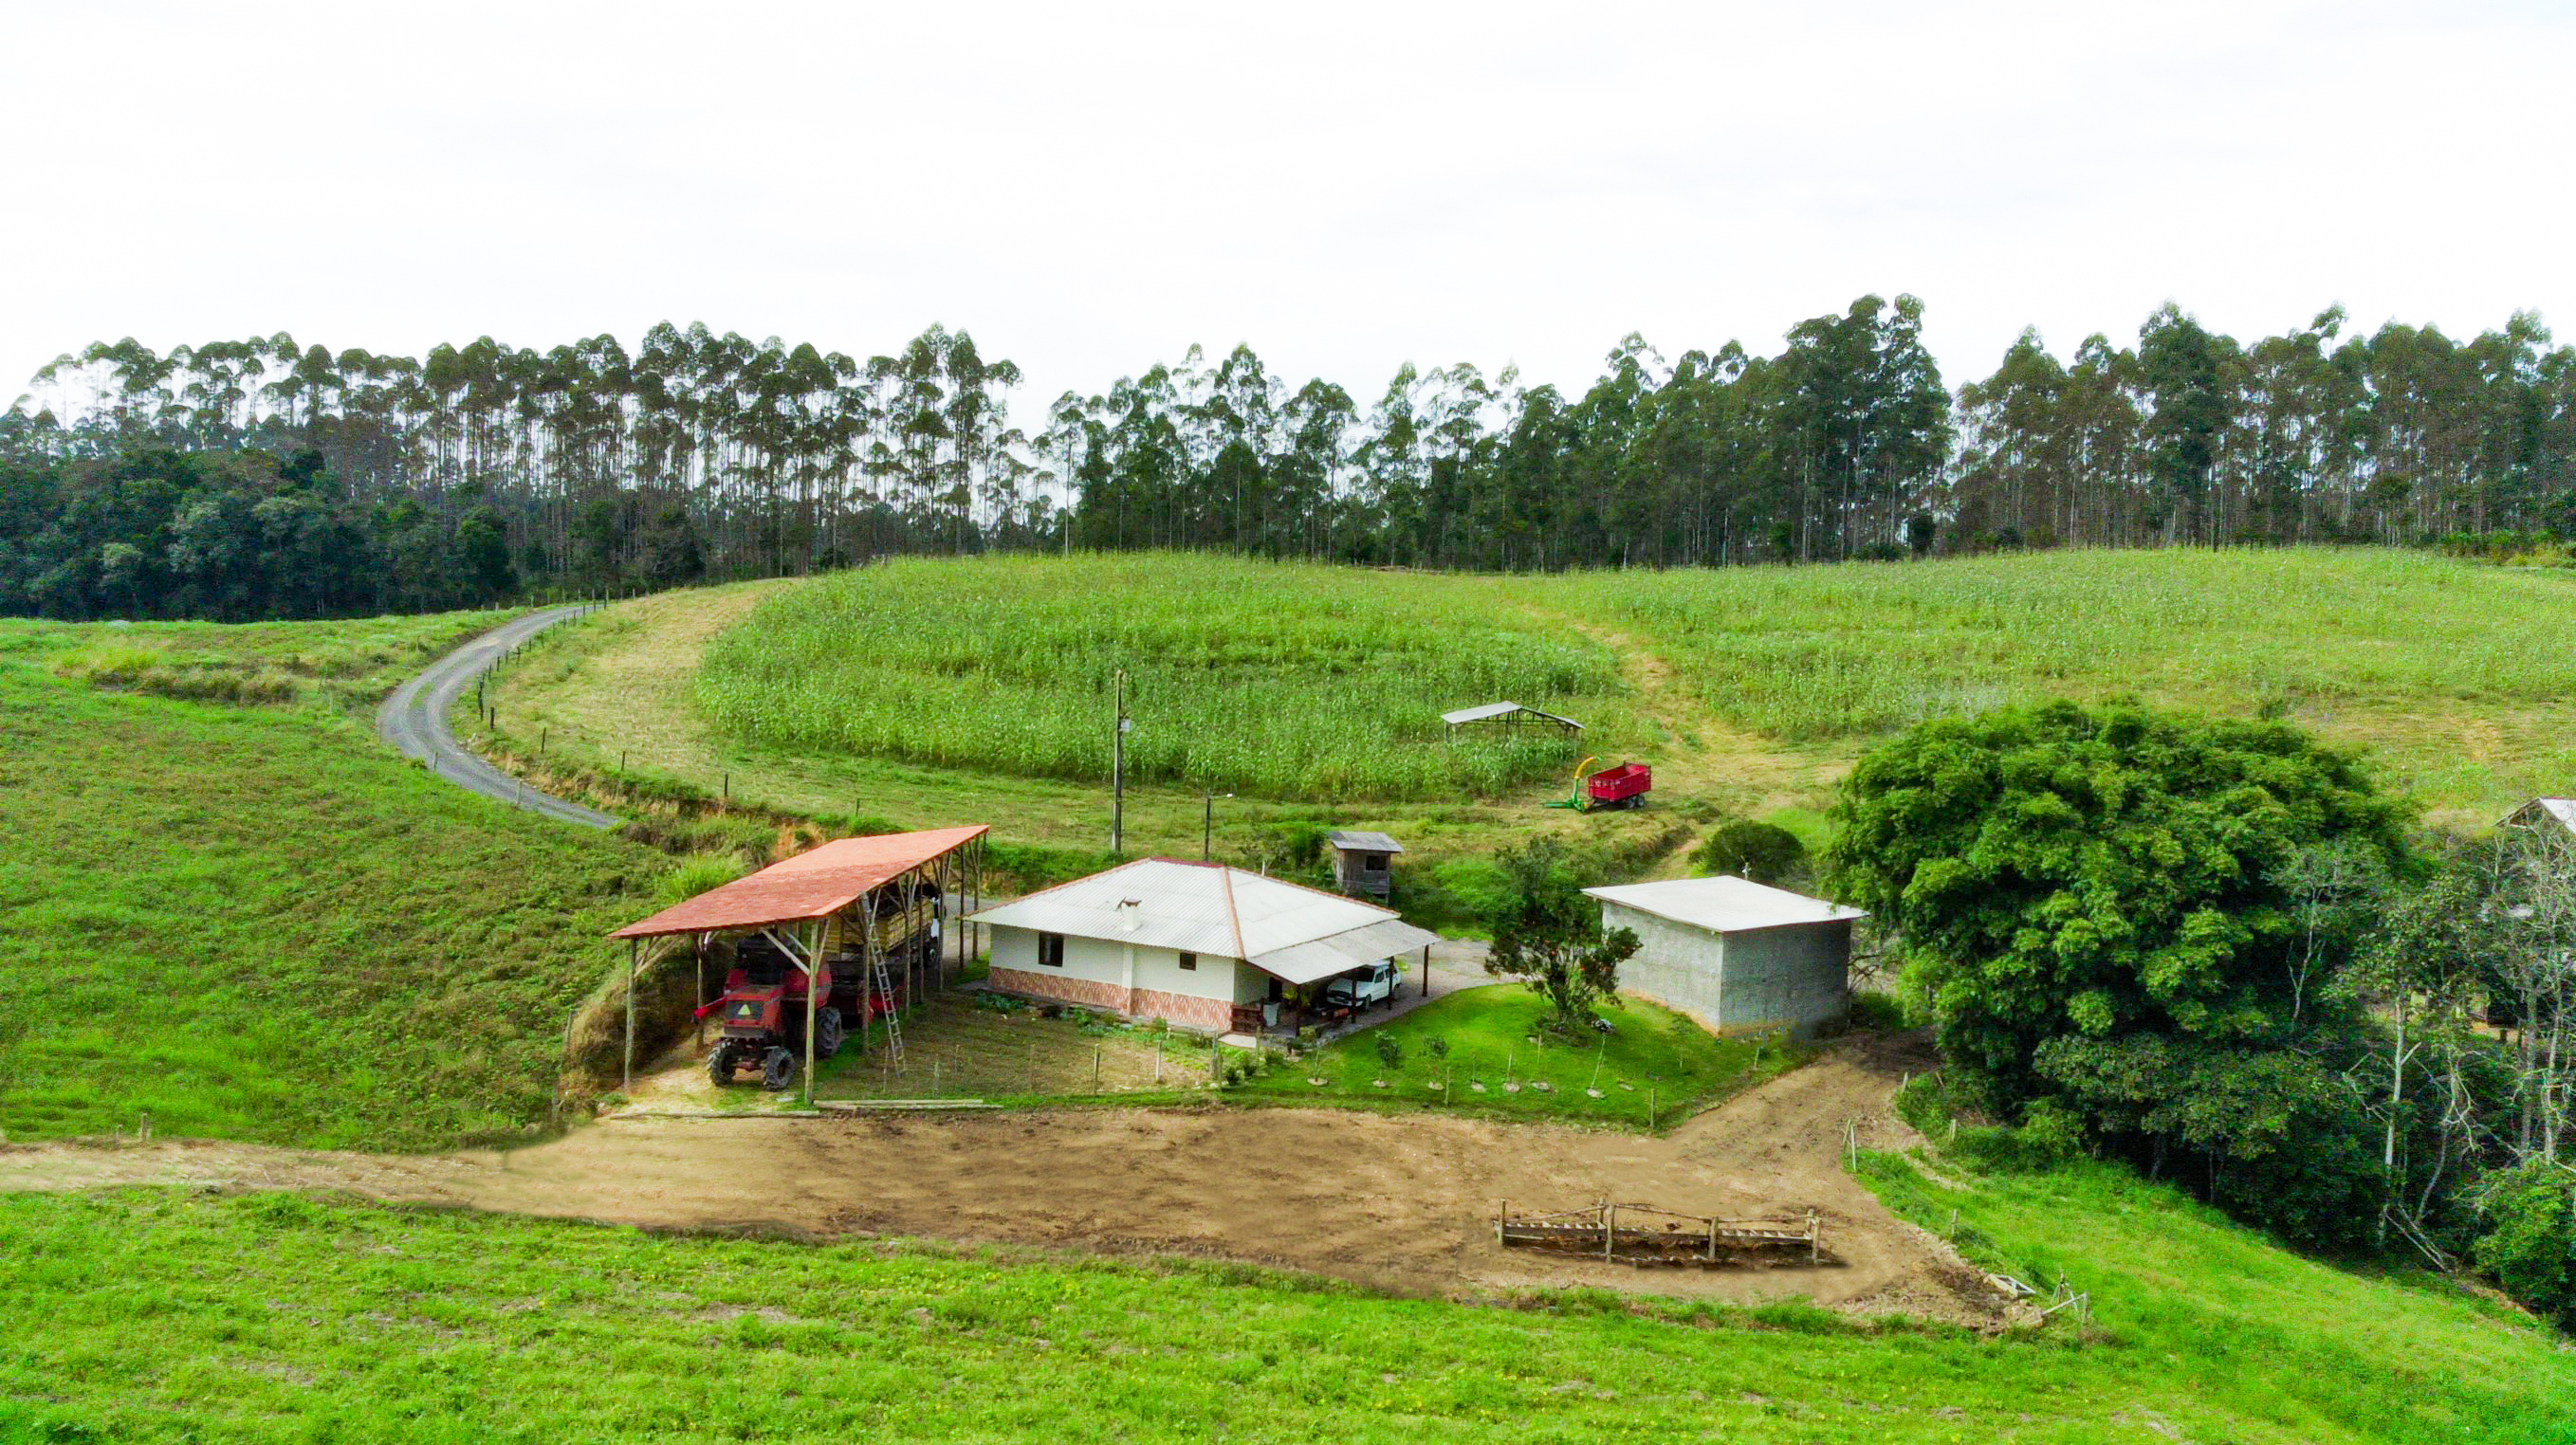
(1233, 920)
(1305, 887)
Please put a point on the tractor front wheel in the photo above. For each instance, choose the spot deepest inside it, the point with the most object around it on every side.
(827, 1033)
(777, 1070)
(720, 1065)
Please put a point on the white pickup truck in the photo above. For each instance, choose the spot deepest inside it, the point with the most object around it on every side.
(1356, 991)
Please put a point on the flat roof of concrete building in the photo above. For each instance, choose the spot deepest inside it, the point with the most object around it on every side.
(1725, 904)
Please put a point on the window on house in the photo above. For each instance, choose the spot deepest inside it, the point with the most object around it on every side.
(1190, 961)
(1051, 949)
(1377, 862)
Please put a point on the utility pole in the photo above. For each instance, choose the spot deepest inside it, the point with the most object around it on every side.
(1118, 767)
(1207, 826)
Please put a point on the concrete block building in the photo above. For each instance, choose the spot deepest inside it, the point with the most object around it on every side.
(1735, 954)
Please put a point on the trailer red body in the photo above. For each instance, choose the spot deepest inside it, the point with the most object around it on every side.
(1624, 786)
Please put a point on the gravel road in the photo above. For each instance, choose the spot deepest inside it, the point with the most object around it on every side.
(414, 720)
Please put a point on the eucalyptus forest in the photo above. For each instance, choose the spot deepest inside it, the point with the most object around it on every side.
(266, 477)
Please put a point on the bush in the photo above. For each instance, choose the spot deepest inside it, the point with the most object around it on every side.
(1760, 851)
(695, 874)
(2530, 1241)
(1390, 1051)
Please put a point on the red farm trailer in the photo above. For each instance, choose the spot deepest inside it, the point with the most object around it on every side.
(1624, 786)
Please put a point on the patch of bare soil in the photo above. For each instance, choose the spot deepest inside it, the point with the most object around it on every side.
(1396, 1202)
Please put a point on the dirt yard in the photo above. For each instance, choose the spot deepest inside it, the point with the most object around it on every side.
(1398, 1202)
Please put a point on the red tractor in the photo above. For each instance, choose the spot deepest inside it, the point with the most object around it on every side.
(762, 1013)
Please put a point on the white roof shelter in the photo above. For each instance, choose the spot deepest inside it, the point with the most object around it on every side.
(2561, 810)
(1351, 841)
(1500, 711)
(1725, 904)
(1294, 933)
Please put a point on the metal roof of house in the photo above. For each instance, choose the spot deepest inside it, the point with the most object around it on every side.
(1349, 842)
(814, 884)
(1493, 710)
(1725, 904)
(2562, 809)
(1296, 933)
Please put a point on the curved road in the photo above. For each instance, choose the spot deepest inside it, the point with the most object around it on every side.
(414, 720)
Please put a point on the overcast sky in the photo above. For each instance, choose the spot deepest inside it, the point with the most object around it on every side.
(1091, 188)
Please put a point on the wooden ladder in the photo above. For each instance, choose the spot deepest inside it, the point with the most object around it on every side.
(894, 1013)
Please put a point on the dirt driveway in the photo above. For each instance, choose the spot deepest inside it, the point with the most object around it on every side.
(1398, 1202)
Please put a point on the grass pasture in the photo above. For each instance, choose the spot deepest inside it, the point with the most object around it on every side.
(260, 1317)
(2452, 676)
(1276, 680)
(257, 922)
(343, 663)
(1749, 689)
(1499, 1062)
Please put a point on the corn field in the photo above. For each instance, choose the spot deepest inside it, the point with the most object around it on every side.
(1278, 680)
(1818, 654)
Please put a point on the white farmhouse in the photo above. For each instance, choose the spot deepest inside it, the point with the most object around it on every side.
(1203, 945)
(1735, 954)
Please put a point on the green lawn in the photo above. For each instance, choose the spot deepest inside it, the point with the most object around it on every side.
(1493, 1036)
(2228, 1315)
(257, 922)
(152, 1315)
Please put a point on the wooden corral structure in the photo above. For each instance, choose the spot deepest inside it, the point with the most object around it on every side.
(868, 908)
(1509, 718)
(1645, 1237)
(1363, 862)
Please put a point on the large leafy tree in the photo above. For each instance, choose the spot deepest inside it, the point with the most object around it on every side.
(2108, 914)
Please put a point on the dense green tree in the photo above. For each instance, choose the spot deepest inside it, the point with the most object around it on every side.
(1547, 934)
(2101, 913)
(1840, 444)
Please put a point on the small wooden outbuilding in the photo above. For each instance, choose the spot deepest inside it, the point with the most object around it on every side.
(1363, 862)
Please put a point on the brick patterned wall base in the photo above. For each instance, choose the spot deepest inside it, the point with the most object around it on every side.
(1088, 992)
(1215, 1014)
(1186, 1010)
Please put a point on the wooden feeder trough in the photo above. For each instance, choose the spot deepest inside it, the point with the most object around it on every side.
(1642, 1236)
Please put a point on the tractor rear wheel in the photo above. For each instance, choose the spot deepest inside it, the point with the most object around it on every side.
(777, 1070)
(827, 1033)
(720, 1065)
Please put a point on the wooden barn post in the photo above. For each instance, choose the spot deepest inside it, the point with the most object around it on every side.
(629, 1072)
(813, 986)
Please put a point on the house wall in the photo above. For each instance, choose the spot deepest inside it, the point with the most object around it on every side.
(1122, 978)
(1797, 975)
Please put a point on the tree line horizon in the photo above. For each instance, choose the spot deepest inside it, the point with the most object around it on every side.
(264, 478)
